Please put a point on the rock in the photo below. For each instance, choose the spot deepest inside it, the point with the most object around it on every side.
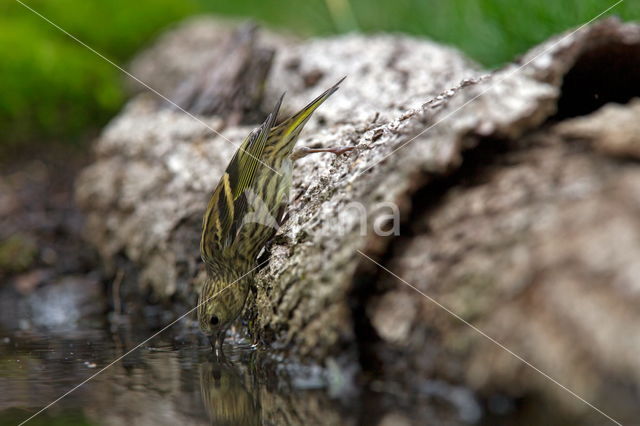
(507, 221)
(393, 315)
(188, 51)
(58, 305)
(614, 129)
(231, 86)
(155, 193)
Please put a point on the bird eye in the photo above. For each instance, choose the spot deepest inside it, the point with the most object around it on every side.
(214, 320)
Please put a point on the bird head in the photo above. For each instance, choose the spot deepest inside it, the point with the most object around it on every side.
(219, 304)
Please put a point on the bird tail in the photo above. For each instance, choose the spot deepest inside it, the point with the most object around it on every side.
(292, 126)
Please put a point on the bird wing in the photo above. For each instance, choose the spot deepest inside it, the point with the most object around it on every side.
(287, 132)
(228, 204)
(242, 213)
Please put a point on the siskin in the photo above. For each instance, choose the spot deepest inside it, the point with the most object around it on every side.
(244, 212)
(226, 398)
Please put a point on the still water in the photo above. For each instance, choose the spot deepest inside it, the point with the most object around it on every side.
(172, 380)
(175, 379)
(56, 336)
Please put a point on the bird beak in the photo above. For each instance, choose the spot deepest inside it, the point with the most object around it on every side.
(216, 345)
(213, 340)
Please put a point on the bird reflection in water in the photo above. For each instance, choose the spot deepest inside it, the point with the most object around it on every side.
(224, 394)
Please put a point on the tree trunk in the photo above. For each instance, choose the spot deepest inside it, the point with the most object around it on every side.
(518, 199)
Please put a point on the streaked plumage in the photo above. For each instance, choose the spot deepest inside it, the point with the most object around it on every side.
(243, 214)
(226, 398)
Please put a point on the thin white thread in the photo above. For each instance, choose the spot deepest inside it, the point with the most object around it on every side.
(387, 270)
(143, 83)
(135, 347)
(458, 317)
(487, 89)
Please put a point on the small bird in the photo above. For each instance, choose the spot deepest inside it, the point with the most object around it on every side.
(228, 397)
(244, 212)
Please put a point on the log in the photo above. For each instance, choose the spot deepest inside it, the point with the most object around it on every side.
(518, 193)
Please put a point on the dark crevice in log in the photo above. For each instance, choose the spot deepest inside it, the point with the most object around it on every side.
(363, 289)
(608, 72)
(379, 359)
(477, 161)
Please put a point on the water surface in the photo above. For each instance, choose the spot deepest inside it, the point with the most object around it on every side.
(171, 380)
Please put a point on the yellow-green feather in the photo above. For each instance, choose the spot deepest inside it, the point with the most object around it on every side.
(258, 169)
(230, 243)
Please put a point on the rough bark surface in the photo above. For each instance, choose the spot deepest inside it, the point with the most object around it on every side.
(231, 86)
(518, 215)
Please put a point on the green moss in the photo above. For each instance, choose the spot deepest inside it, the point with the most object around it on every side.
(54, 89)
(17, 253)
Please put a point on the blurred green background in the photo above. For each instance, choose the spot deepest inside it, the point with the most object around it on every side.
(53, 90)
